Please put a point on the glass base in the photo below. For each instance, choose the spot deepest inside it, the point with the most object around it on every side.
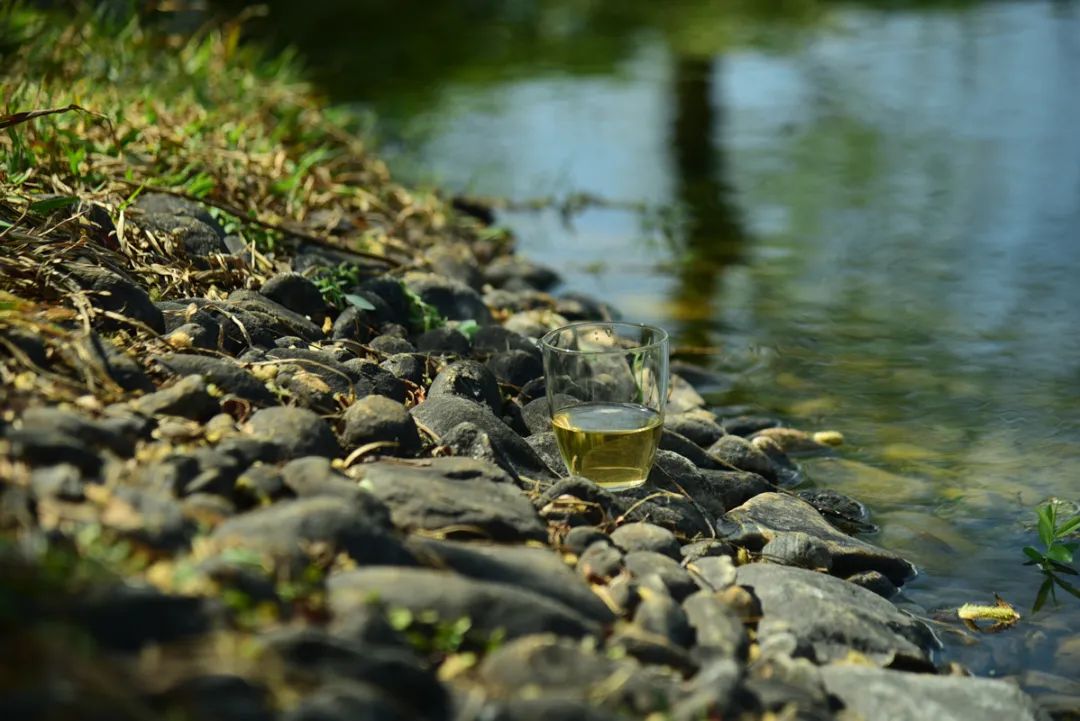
(623, 486)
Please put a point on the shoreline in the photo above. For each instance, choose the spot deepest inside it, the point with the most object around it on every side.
(256, 475)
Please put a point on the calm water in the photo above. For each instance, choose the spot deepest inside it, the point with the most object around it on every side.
(874, 213)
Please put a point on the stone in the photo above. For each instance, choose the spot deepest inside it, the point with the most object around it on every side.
(581, 537)
(286, 531)
(268, 319)
(457, 496)
(129, 617)
(651, 649)
(443, 340)
(468, 379)
(295, 431)
(50, 447)
(713, 573)
(391, 292)
(441, 413)
(714, 492)
(468, 440)
(338, 701)
(795, 548)
(874, 581)
(682, 397)
(297, 293)
(699, 426)
(371, 378)
(360, 325)
(844, 512)
(165, 204)
(712, 693)
(547, 709)
(659, 614)
(488, 605)
(830, 618)
(110, 291)
(767, 515)
(739, 453)
(747, 425)
(546, 447)
(455, 260)
(391, 345)
(646, 537)
(451, 298)
(117, 433)
(534, 323)
(600, 562)
(708, 548)
(406, 367)
(491, 339)
(225, 374)
(515, 367)
(680, 444)
(216, 697)
(376, 419)
(538, 570)
(899, 696)
(63, 480)
(196, 238)
(312, 655)
(578, 306)
(315, 476)
(536, 415)
(315, 379)
(513, 267)
(188, 398)
(673, 576)
(121, 368)
(718, 630)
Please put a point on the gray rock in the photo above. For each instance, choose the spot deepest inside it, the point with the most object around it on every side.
(763, 517)
(746, 425)
(501, 271)
(898, 696)
(49, 447)
(225, 374)
(515, 367)
(128, 617)
(444, 340)
(713, 492)
(356, 324)
(534, 569)
(371, 378)
(844, 512)
(578, 306)
(795, 548)
(63, 481)
(111, 291)
(651, 649)
(451, 298)
(196, 238)
(297, 293)
(265, 317)
(830, 617)
(469, 441)
(376, 419)
(441, 413)
(719, 632)
(314, 476)
(286, 531)
(697, 426)
(186, 398)
(391, 345)
(712, 693)
(489, 606)
(458, 496)
(216, 697)
(117, 433)
(295, 431)
(682, 397)
(646, 537)
(874, 581)
(659, 614)
(166, 204)
(147, 516)
(600, 562)
(547, 709)
(713, 573)
(392, 293)
(341, 701)
(490, 339)
(740, 453)
(581, 537)
(674, 577)
(124, 370)
(710, 547)
(468, 379)
(546, 446)
(678, 443)
(406, 367)
(455, 260)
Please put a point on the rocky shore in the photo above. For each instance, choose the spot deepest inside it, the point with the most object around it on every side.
(314, 479)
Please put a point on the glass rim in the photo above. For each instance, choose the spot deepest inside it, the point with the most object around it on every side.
(660, 340)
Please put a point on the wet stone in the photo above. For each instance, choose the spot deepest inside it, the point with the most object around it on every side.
(459, 496)
(844, 512)
(673, 576)
(225, 374)
(490, 606)
(796, 548)
(740, 453)
(746, 425)
(468, 379)
(680, 444)
(646, 537)
(297, 293)
(295, 431)
(376, 419)
(874, 581)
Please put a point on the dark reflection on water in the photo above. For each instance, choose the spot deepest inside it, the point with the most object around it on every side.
(878, 214)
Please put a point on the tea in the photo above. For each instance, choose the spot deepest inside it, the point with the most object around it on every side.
(611, 444)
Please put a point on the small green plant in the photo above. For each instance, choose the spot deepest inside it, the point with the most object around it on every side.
(335, 282)
(422, 314)
(1058, 553)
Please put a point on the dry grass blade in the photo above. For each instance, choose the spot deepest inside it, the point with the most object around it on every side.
(13, 119)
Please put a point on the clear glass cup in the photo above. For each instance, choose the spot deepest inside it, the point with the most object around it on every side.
(607, 384)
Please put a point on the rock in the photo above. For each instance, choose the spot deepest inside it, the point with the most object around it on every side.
(287, 530)
(376, 419)
(534, 323)
(63, 481)
(712, 573)
(697, 425)
(371, 378)
(117, 433)
(468, 379)
(166, 204)
(118, 365)
(110, 291)
(197, 239)
(391, 345)
(188, 397)
(406, 367)
(444, 340)
(581, 537)
(719, 632)
(646, 537)
(455, 260)
(216, 697)
(356, 324)
(128, 617)
(680, 444)
(314, 656)
(314, 379)
(708, 548)
(451, 298)
(441, 413)
(515, 367)
(831, 618)
(295, 431)
(489, 606)
(600, 563)
(844, 512)
(314, 476)
(546, 447)
(491, 339)
(469, 441)
(674, 577)
(225, 374)
(538, 570)
(763, 517)
(708, 493)
(796, 548)
(712, 693)
(682, 397)
(745, 426)
(269, 320)
(297, 293)
(874, 581)
(49, 447)
(651, 649)
(659, 614)
(547, 709)
(898, 696)
(458, 496)
(740, 453)
(193, 335)
(340, 700)
(536, 415)
(392, 293)
(501, 271)
(578, 306)
(217, 473)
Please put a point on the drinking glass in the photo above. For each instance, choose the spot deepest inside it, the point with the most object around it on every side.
(607, 386)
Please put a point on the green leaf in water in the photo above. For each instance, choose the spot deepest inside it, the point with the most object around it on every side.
(1059, 553)
(1046, 590)
(1069, 526)
(1046, 524)
(1033, 553)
